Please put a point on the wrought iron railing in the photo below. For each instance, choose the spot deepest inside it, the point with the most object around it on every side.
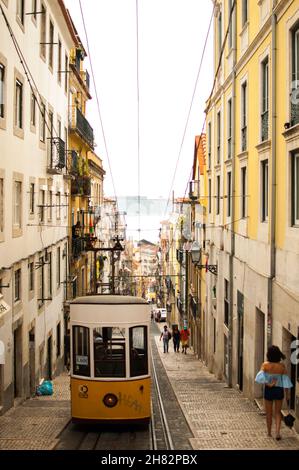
(81, 186)
(244, 138)
(80, 124)
(194, 306)
(265, 125)
(294, 114)
(57, 155)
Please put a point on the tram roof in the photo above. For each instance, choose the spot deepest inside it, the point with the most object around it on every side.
(109, 300)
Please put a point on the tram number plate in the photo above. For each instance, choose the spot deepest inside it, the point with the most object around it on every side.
(82, 360)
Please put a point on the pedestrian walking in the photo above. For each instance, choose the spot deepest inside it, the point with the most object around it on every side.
(166, 335)
(176, 339)
(184, 337)
(273, 376)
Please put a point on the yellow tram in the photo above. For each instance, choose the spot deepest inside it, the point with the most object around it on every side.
(110, 359)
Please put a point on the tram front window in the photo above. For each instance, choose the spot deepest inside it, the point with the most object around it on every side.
(81, 363)
(109, 352)
(138, 351)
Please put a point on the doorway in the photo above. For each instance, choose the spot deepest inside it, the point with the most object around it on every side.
(31, 362)
(17, 362)
(259, 348)
(49, 358)
(287, 339)
(240, 311)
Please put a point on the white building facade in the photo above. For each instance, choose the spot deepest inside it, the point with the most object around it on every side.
(33, 191)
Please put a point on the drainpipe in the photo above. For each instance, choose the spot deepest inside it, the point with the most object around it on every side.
(273, 183)
(233, 208)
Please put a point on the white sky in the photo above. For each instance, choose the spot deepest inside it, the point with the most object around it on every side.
(171, 40)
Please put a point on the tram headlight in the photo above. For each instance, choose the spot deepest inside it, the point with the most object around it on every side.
(110, 400)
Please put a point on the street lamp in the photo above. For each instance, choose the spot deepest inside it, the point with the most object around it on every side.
(195, 256)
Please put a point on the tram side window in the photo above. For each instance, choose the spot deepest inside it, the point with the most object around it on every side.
(81, 353)
(109, 352)
(138, 351)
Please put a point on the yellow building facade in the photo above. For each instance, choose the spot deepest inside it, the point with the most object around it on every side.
(252, 187)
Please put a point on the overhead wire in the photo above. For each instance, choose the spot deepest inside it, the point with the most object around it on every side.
(190, 108)
(138, 115)
(97, 100)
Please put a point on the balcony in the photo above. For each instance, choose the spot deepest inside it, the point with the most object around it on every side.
(57, 156)
(80, 125)
(180, 306)
(81, 186)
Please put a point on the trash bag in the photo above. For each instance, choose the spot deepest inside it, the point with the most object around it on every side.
(46, 388)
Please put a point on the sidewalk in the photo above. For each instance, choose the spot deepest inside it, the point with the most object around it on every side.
(36, 423)
(218, 416)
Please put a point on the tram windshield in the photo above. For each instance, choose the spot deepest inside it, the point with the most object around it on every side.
(138, 351)
(109, 352)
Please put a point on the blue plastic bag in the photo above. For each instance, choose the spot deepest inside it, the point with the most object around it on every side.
(46, 388)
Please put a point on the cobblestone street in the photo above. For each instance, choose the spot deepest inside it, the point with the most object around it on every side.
(219, 417)
(36, 423)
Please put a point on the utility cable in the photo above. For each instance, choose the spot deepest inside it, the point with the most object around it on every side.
(97, 100)
(190, 108)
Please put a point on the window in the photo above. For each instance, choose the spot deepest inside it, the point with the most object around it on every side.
(218, 136)
(31, 276)
(295, 76)
(244, 116)
(243, 192)
(58, 340)
(17, 285)
(138, 351)
(50, 204)
(229, 193)
(265, 189)
(226, 302)
(265, 100)
(34, 9)
(66, 66)
(33, 110)
(229, 128)
(43, 123)
(20, 11)
(1, 205)
(230, 33)
(17, 220)
(244, 12)
(81, 353)
(65, 205)
(41, 282)
(218, 195)
(210, 195)
(109, 352)
(58, 203)
(209, 144)
(59, 61)
(295, 188)
(58, 270)
(50, 285)
(2, 96)
(219, 35)
(42, 206)
(19, 105)
(31, 198)
(51, 41)
(43, 32)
